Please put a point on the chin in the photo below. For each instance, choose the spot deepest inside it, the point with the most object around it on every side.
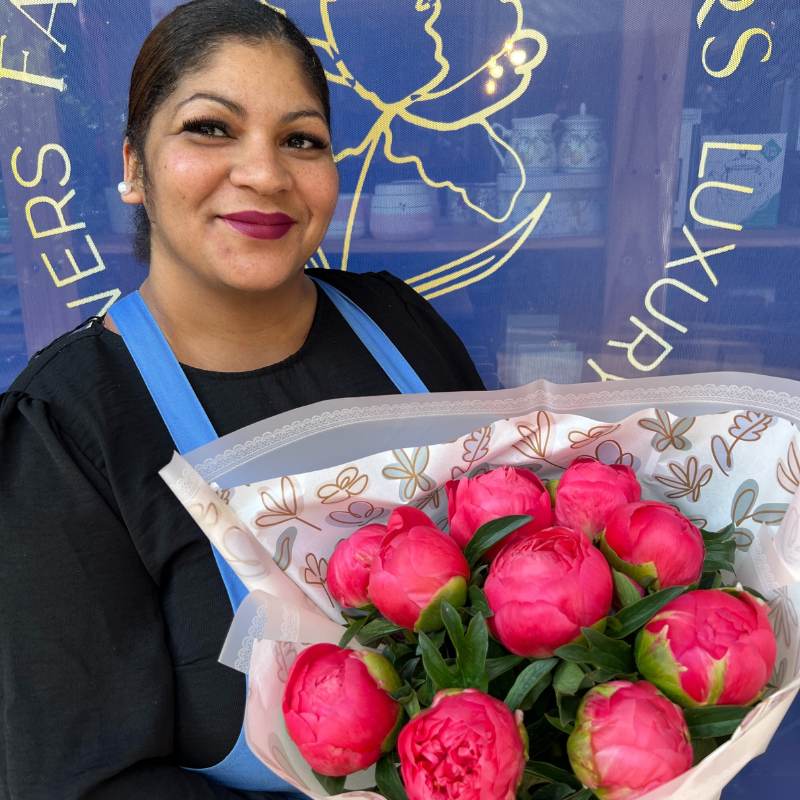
(258, 278)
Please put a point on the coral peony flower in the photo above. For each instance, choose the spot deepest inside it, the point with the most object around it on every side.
(349, 565)
(628, 740)
(337, 708)
(654, 544)
(709, 647)
(544, 588)
(589, 491)
(467, 745)
(472, 502)
(415, 569)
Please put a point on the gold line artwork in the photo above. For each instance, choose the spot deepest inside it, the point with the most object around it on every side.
(414, 109)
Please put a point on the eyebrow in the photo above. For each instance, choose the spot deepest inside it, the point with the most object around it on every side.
(286, 119)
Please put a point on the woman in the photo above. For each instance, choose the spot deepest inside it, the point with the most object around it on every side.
(113, 608)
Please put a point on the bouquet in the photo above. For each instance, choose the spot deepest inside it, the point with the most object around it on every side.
(546, 606)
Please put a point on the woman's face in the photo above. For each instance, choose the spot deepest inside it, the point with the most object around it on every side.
(241, 179)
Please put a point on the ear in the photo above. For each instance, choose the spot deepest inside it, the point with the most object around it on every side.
(133, 174)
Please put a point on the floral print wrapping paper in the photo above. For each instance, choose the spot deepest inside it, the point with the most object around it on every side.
(741, 467)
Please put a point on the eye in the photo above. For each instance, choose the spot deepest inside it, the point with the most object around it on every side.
(212, 128)
(305, 141)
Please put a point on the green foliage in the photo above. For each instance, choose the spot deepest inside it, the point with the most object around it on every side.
(388, 780)
(492, 533)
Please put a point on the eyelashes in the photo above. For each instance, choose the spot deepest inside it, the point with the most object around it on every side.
(204, 127)
(217, 129)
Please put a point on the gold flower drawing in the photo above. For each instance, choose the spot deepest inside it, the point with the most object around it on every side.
(384, 106)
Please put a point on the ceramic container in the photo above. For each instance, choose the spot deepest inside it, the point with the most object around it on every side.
(583, 146)
(533, 140)
(402, 211)
(577, 206)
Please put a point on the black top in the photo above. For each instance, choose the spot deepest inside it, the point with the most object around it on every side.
(113, 612)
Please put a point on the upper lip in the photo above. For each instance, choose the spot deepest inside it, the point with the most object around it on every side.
(259, 218)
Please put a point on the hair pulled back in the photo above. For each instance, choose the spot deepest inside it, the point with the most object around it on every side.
(183, 42)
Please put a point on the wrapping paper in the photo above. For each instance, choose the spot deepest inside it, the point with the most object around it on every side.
(740, 464)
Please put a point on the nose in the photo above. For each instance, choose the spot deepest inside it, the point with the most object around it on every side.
(260, 167)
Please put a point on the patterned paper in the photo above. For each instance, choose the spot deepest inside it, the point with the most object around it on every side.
(738, 466)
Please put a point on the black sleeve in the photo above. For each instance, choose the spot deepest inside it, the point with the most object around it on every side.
(86, 680)
(413, 324)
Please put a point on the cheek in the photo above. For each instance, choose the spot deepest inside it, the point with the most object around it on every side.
(321, 188)
(184, 175)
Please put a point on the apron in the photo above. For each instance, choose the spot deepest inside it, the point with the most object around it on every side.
(190, 428)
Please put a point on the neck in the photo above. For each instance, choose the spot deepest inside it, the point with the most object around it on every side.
(225, 330)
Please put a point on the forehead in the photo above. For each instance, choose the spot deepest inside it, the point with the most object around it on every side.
(261, 76)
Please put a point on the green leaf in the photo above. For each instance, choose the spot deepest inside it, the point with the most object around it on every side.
(550, 773)
(633, 617)
(377, 629)
(435, 666)
(553, 791)
(623, 585)
(568, 678)
(600, 651)
(454, 627)
(714, 721)
(329, 784)
(558, 724)
(527, 679)
(567, 708)
(488, 535)
(388, 780)
(582, 794)
(534, 694)
(495, 667)
(476, 645)
(478, 601)
(352, 629)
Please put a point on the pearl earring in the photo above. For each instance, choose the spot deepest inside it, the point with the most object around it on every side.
(124, 187)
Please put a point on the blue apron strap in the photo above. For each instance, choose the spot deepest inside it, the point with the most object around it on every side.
(190, 427)
(174, 397)
(380, 346)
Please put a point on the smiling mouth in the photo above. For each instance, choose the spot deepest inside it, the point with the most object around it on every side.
(257, 225)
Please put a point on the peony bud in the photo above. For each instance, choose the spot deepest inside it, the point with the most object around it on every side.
(628, 740)
(506, 491)
(337, 708)
(467, 745)
(545, 587)
(349, 565)
(415, 569)
(709, 647)
(589, 491)
(654, 544)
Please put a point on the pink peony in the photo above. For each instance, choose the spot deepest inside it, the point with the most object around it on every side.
(544, 588)
(467, 745)
(337, 708)
(589, 491)
(348, 568)
(473, 502)
(654, 544)
(416, 567)
(628, 740)
(709, 647)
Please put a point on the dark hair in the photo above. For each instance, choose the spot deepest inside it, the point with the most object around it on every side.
(182, 42)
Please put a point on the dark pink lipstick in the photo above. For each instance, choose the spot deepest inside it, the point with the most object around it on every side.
(260, 226)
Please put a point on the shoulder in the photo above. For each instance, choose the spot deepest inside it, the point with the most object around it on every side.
(413, 324)
(47, 368)
(66, 387)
